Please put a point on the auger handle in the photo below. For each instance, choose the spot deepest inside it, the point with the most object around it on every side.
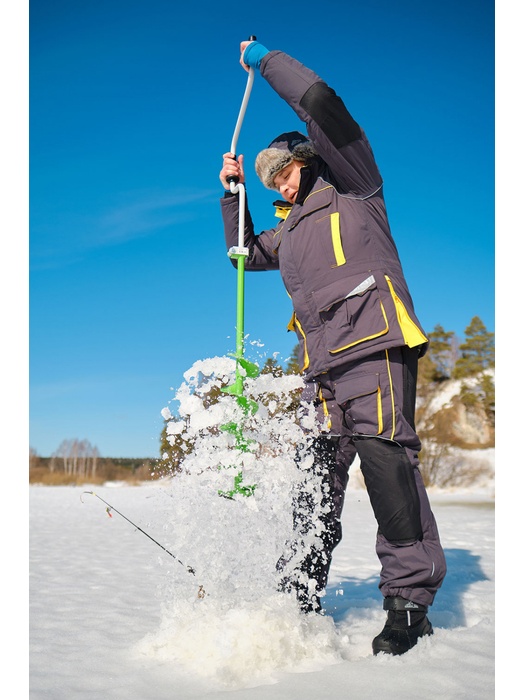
(233, 179)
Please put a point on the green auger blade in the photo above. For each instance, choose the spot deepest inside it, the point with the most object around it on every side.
(251, 369)
(236, 389)
(247, 405)
(238, 489)
(243, 369)
(241, 443)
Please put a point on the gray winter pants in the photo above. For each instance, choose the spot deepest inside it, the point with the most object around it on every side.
(372, 404)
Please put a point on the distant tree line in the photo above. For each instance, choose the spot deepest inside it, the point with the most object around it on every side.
(471, 362)
(77, 461)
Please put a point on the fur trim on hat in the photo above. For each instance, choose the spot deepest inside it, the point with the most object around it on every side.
(273, 159)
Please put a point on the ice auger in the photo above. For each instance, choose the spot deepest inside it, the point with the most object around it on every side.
(243, 367)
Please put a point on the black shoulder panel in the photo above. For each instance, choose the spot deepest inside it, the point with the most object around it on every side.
(329, 111)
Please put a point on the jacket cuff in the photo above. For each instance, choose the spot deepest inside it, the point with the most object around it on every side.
(254, 53)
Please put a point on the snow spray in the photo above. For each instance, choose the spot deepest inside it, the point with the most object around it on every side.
(244, 629)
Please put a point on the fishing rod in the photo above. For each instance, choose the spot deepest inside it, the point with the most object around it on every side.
(111, 508)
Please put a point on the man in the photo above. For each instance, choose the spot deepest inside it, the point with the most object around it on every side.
(354, 318)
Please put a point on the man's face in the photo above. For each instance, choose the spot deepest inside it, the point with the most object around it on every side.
(287, 180)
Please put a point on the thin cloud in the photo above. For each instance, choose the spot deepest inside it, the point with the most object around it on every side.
(144, 217)
(137, 215)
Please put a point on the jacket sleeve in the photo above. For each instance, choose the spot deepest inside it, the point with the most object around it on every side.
(263, 247)
(336, 136)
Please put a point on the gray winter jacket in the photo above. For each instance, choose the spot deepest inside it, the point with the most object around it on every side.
(333, 247)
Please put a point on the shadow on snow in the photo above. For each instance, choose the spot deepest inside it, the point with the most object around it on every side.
(463, 570)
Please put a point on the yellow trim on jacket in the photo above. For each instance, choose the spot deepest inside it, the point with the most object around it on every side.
(411, 333)
(293, 323)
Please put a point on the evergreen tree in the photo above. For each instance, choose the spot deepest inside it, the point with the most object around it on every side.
(441, 352)
(293, 366)
(426, 373)
(477, 352)
(173, 449)
(489, 397)
(271, 366)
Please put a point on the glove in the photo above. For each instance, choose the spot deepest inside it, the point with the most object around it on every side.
(253, 54)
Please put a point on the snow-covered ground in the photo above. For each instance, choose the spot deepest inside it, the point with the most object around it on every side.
(104, 622)
(115, 616)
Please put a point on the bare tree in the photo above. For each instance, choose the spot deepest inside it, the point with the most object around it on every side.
(63, 452)
(84, 449)
(78, 457)
(33, 458)
(94, 459)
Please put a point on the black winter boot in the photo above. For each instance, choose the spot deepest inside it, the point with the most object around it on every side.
(406, 623)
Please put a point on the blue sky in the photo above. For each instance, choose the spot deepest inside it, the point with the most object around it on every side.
(132, 105)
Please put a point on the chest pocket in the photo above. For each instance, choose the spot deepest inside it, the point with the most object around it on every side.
(351, 317)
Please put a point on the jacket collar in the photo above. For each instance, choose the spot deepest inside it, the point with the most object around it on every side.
(309, 174)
